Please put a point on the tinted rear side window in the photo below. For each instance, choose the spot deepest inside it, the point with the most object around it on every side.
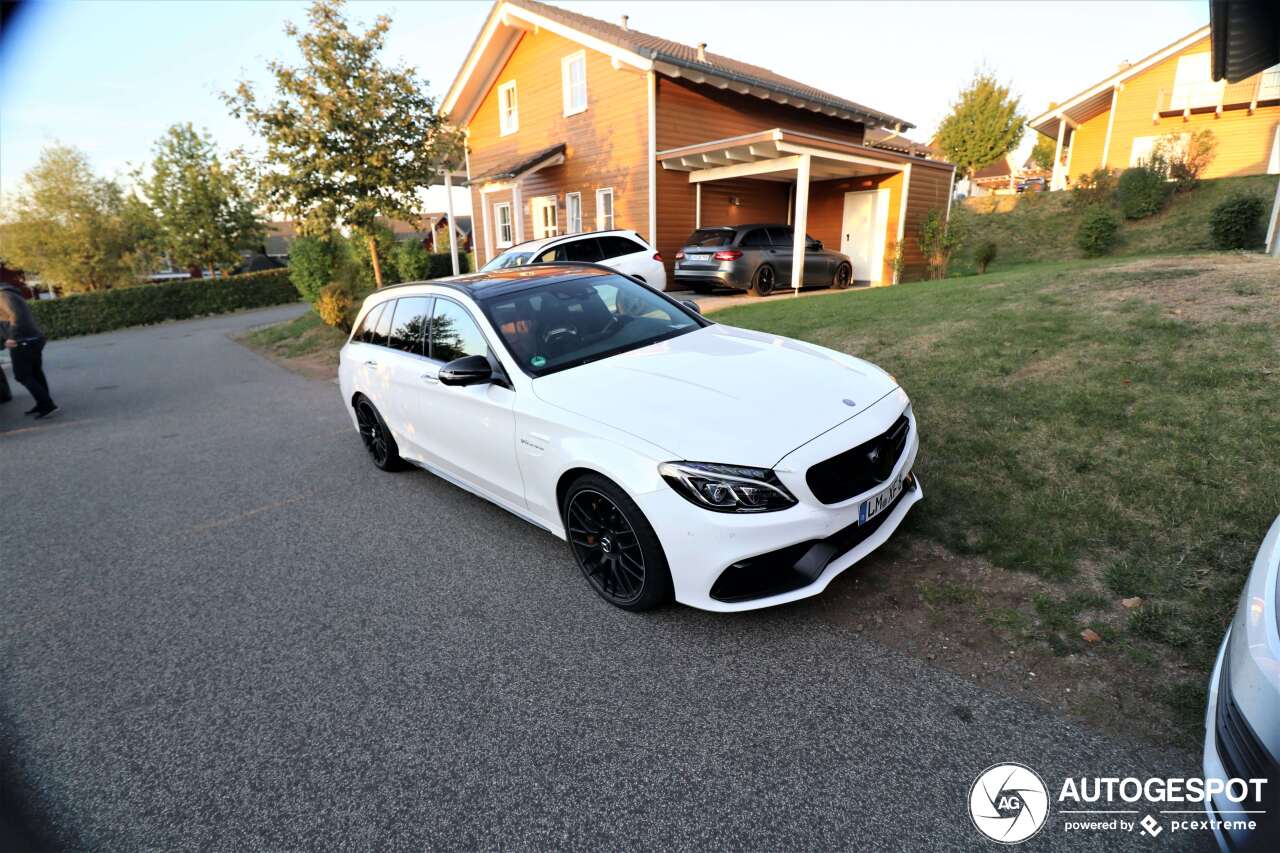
(364, 331)
(615, 247)
(381, 333)
(710, 237)
(408, 329)
(755, 238)
(782, 236)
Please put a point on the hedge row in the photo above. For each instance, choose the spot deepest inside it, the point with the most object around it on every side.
(103, 311)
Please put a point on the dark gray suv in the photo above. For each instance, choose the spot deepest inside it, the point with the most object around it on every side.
(755, 258)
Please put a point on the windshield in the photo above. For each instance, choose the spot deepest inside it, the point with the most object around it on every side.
(706, 237)
(567, 323)
(507, 259)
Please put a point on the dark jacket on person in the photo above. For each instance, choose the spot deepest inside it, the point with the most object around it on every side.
(16, 322)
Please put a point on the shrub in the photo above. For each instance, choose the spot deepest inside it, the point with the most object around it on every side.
(938, 239)
(442, 265)
(1187, 158)
(1097, 232)
(104, 310)
(1236, 222)
(1097, 187)
(412, 261)
(358, 249)
(311, 264)
(1143, 190)
(984, 255)
(336, 306)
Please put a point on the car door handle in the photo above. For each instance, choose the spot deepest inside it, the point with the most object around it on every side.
(371, 364)
(430, 377)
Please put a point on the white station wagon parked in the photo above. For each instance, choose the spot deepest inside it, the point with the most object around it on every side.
(678, 457)
(622, 250)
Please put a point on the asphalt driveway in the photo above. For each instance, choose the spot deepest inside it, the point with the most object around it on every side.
(221, 628)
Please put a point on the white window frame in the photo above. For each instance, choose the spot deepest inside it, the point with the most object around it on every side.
(1193, 86)
(537, 204)
(603, 224)
(499, 225)
(1140, 149)
(571, 107)
(572, 216)
(508, 120)
(1269, 85)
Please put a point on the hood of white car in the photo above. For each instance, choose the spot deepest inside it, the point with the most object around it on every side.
(721, 394)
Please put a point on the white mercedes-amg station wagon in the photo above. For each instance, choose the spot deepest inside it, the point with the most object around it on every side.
(678, 457)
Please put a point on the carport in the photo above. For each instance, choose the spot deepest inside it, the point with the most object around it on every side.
(861, 194)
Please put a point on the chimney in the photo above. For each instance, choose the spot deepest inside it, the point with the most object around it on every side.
(625, 18)
(702, 52)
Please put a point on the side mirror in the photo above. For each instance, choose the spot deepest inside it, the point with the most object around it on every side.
(468, 370)
(815, 245)
(691, 305)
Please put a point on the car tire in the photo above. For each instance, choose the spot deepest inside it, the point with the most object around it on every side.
(614, 545)
(843, 277)
(377, 437)
(764, 280)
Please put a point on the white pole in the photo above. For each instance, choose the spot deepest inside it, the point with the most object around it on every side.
(453, 236)
(697, 206)
(802, 223)
(1057, 156)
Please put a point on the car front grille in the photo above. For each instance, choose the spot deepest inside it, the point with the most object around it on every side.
(1243, 755)
(861, 468)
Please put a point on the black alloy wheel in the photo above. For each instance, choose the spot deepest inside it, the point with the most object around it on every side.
(614, 545)
(764, 281)
(843, 277)
(376, 437)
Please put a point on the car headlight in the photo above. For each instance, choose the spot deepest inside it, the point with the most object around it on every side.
(727, 488)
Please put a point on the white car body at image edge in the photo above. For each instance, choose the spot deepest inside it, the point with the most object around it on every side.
(1242, 720)
(709, 436)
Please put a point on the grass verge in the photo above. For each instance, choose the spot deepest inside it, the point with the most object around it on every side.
(304, 344)
(1106, 428)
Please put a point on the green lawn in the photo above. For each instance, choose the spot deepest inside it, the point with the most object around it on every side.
(1111, 426)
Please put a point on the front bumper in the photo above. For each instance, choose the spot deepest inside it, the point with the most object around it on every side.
(701, 545)
(1242, 719)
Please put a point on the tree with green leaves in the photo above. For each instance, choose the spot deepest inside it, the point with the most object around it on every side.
(348, 138)
(203, 204)
(67, 224)
(984, 125)
(1042, 153)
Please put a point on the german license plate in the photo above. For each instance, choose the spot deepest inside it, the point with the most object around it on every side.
(876, 504)
(699, 257)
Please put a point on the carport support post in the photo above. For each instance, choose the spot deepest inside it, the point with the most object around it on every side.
(801, 223)
(697, 206)
(453, 232)
(1054, 183)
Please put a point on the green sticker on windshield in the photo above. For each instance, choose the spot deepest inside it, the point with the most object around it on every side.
(537, 361)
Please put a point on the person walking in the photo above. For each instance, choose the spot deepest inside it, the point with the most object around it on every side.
(25, 343)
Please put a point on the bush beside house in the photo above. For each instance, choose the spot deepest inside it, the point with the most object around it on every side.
(103, 311)
(1236, 223)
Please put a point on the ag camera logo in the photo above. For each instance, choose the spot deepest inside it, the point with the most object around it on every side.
(1009, 803)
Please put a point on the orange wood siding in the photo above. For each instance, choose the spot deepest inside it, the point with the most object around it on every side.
(927, 190)
(607, 145)
(826, 212)
(1244, 141)
(688, 114)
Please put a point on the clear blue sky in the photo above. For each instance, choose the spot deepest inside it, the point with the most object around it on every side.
(109, 77)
